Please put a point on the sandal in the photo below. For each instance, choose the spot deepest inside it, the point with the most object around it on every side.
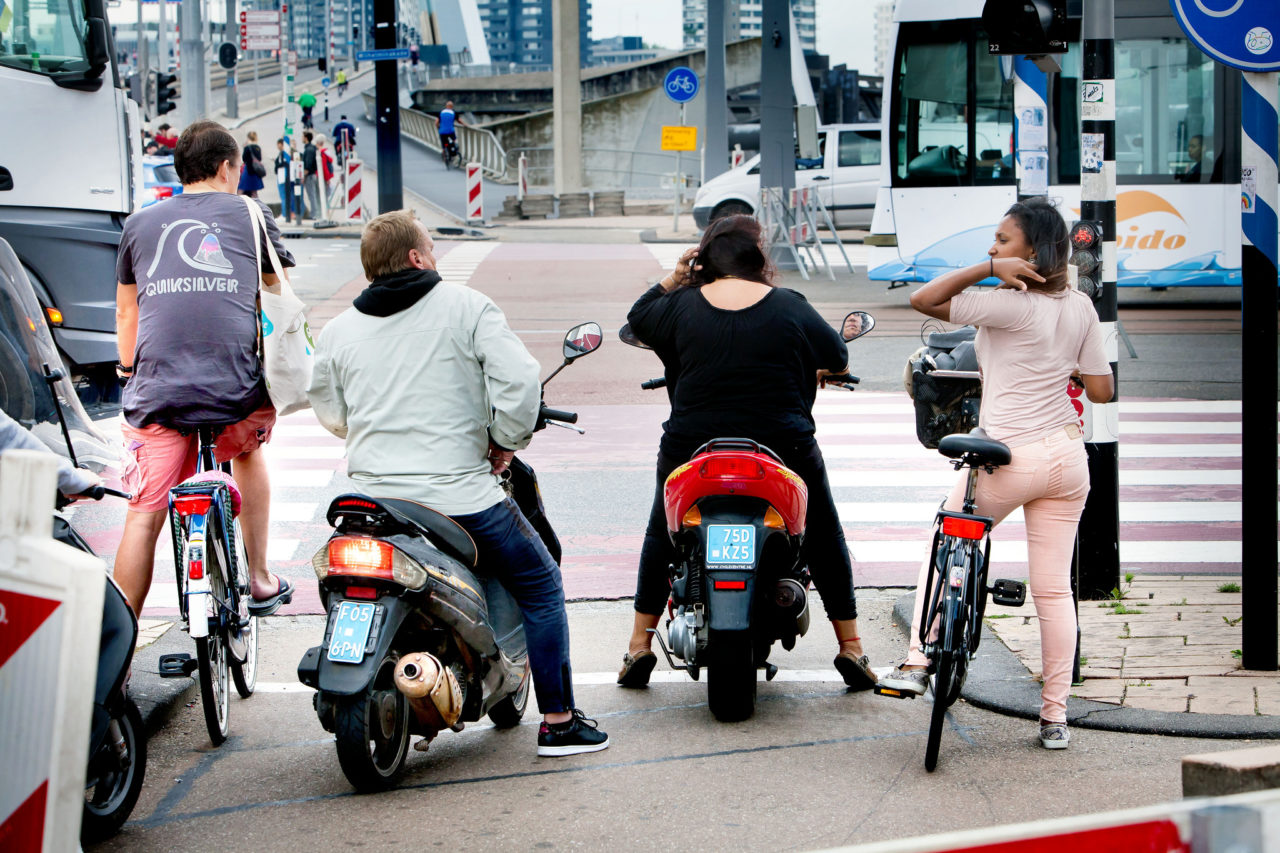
(269, 605)
(635, 669)
(856, 671)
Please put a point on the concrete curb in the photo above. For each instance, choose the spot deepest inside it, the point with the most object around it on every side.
(159, 698)
(999, 682)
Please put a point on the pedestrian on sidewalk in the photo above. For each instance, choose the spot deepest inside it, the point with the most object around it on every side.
(308, 103)
(434, 393)
(165, 137)
(311, 174)
(721, 324)
(1035, 334)
(284, 183)
(252, 170)
(187, 331)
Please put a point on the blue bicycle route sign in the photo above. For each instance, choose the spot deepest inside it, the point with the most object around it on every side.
(681, 84)
(1244, 34)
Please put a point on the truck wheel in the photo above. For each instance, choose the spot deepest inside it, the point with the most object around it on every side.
(731, 679)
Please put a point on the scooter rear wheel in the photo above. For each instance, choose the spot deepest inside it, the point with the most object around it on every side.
(731, 679)
(507, 713)
(371, 731)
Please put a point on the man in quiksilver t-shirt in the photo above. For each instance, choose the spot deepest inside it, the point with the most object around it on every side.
(187, 331)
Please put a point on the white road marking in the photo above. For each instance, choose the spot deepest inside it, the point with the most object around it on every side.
(1131, 512)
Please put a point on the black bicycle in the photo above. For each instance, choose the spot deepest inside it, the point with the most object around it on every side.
(213, 589)
(951, 627)
(449, 150)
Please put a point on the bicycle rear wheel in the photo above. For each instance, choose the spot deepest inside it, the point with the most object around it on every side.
(212, 652)
(948, 665)
(942, 681)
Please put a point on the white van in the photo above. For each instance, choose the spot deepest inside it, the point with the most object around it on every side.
(846, 176)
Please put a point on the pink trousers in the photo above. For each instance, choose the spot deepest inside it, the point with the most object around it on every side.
(1049, 479)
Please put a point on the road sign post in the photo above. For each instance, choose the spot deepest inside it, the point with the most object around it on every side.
(681, 85)
(1246, 35)
(387, 110)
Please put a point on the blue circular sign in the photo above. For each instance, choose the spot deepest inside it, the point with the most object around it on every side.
(1244, 34)
(324, 81)
(681, 84)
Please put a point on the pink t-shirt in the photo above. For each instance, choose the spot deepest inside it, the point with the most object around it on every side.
(1028, 344)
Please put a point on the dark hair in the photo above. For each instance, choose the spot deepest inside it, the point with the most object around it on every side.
(201, 149)
(1046, 232)
(733, 247)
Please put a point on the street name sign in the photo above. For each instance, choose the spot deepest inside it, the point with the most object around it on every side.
(678, 137)
(381, 55)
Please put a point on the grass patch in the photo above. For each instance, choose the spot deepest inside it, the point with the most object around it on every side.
(1229, 587)
(1237, 654)
(1118, 609)
(1000, 616)
(1233, 622)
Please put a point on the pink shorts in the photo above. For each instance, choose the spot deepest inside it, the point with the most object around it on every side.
(157, 458)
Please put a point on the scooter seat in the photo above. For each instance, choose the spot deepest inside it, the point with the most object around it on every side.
(446, 532)
(950, 340)
(977, 444)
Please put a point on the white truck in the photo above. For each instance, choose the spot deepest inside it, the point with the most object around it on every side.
(70, 172)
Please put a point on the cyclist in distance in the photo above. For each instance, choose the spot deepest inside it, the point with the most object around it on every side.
(445, 122)
(187, 329)
(1035, 333)
(743, 358)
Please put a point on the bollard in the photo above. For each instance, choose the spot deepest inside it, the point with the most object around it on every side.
(475, 195)
(355, 203)
(50, 620)
(522, 182)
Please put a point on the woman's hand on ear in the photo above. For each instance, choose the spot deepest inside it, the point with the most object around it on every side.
(1013, 271)
(683, 275)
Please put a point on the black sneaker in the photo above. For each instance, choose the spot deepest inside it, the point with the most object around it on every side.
(578, 735)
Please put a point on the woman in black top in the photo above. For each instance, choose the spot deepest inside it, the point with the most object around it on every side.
(742, 360)
(250, 160)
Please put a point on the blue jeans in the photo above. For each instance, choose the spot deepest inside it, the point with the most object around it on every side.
(286, 198)
(511, 550)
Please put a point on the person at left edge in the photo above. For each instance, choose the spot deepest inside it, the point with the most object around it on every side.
(187, 330)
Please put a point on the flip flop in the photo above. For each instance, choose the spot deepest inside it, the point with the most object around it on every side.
(267, 606)
(856, 671)
(635, 670)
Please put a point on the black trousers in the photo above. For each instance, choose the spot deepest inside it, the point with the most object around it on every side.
(825, 551)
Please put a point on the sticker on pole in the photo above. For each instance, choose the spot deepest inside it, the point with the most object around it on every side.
(678, 137)
(681, 84)
(1244, 34)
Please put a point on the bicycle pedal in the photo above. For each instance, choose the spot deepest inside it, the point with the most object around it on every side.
(1008, 593)
(891, 693)
(180, 665)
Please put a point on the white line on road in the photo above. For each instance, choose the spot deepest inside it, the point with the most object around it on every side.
(944, 478)
(913, 550)
(1131, 512)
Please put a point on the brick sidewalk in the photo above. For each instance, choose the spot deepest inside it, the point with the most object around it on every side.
(1171, 644)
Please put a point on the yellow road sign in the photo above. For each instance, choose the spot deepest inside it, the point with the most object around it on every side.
(676, 137)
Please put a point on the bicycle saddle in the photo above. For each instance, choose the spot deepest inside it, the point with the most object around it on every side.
(982, 449)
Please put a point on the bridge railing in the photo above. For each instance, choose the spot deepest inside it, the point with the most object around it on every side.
(477, 144)
(612, 168)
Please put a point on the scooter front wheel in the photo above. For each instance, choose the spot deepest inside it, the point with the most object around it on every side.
(731, 679)
(114, 779)
(371, 730)
(507, 713)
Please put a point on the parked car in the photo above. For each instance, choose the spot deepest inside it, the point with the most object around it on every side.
(846, 175)
(160, 180)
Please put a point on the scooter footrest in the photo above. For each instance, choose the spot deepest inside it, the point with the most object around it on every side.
(1008, 593)
(180, 665)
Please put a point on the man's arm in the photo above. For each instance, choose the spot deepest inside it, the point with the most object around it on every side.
(511, 376)
(126, 321)
(325, 393)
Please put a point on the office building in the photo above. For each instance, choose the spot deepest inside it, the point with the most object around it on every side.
(744, 19)
(519, 31)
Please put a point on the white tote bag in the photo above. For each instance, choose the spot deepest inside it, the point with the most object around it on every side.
(285, 343)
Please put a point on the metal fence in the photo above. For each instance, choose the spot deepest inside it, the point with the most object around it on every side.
(476, 144)
(611, 168)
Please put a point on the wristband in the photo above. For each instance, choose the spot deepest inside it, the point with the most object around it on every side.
(991, 267)
(124, 369)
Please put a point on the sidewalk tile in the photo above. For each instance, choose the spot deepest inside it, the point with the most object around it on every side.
(1168, 695)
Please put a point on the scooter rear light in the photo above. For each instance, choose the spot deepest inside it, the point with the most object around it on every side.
(731, 468)
(353, 555)
(366, 592)
(964, 528)
(189, 505)
(730, 584)
(692, 518)
(773, 519)
(195, 569)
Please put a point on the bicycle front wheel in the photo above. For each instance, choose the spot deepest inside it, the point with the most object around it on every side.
(245, 673)
(211, 655)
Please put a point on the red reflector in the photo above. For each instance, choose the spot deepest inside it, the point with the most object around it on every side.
(195, 569)
(352, 555)
(731, 584)
(731, 468)
(965, 528)
(366, 592)
(356, 503)
(189, 505)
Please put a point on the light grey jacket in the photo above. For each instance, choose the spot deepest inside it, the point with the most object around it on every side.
(14, 436)
(418, 395)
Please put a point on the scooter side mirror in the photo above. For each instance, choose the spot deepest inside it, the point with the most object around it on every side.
(856, 324)
(629, 338)
(581, 340)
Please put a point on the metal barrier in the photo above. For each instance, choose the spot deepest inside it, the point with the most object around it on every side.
(476, 144)
(540, 168)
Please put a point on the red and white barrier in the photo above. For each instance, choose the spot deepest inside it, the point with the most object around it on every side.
(475, 194)
(355, 204)
(50, 621)
(737, 156)
(522, 182)
(800, 234)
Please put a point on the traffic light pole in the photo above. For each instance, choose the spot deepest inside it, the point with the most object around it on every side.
(1099, 551)
(232, 35)
(387, 109)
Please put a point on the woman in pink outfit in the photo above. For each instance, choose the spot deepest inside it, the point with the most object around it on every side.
(1036, 333)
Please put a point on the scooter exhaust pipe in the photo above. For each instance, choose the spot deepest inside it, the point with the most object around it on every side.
(432, 690)
(792, 599)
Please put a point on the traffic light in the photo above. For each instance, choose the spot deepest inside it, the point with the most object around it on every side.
(1086, 255)
(322, 65)
(1030, 27)
(355, 32)
(166, 94)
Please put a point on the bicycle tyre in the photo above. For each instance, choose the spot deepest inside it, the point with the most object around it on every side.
(938, 715)
(245, 675)
(215, 687)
